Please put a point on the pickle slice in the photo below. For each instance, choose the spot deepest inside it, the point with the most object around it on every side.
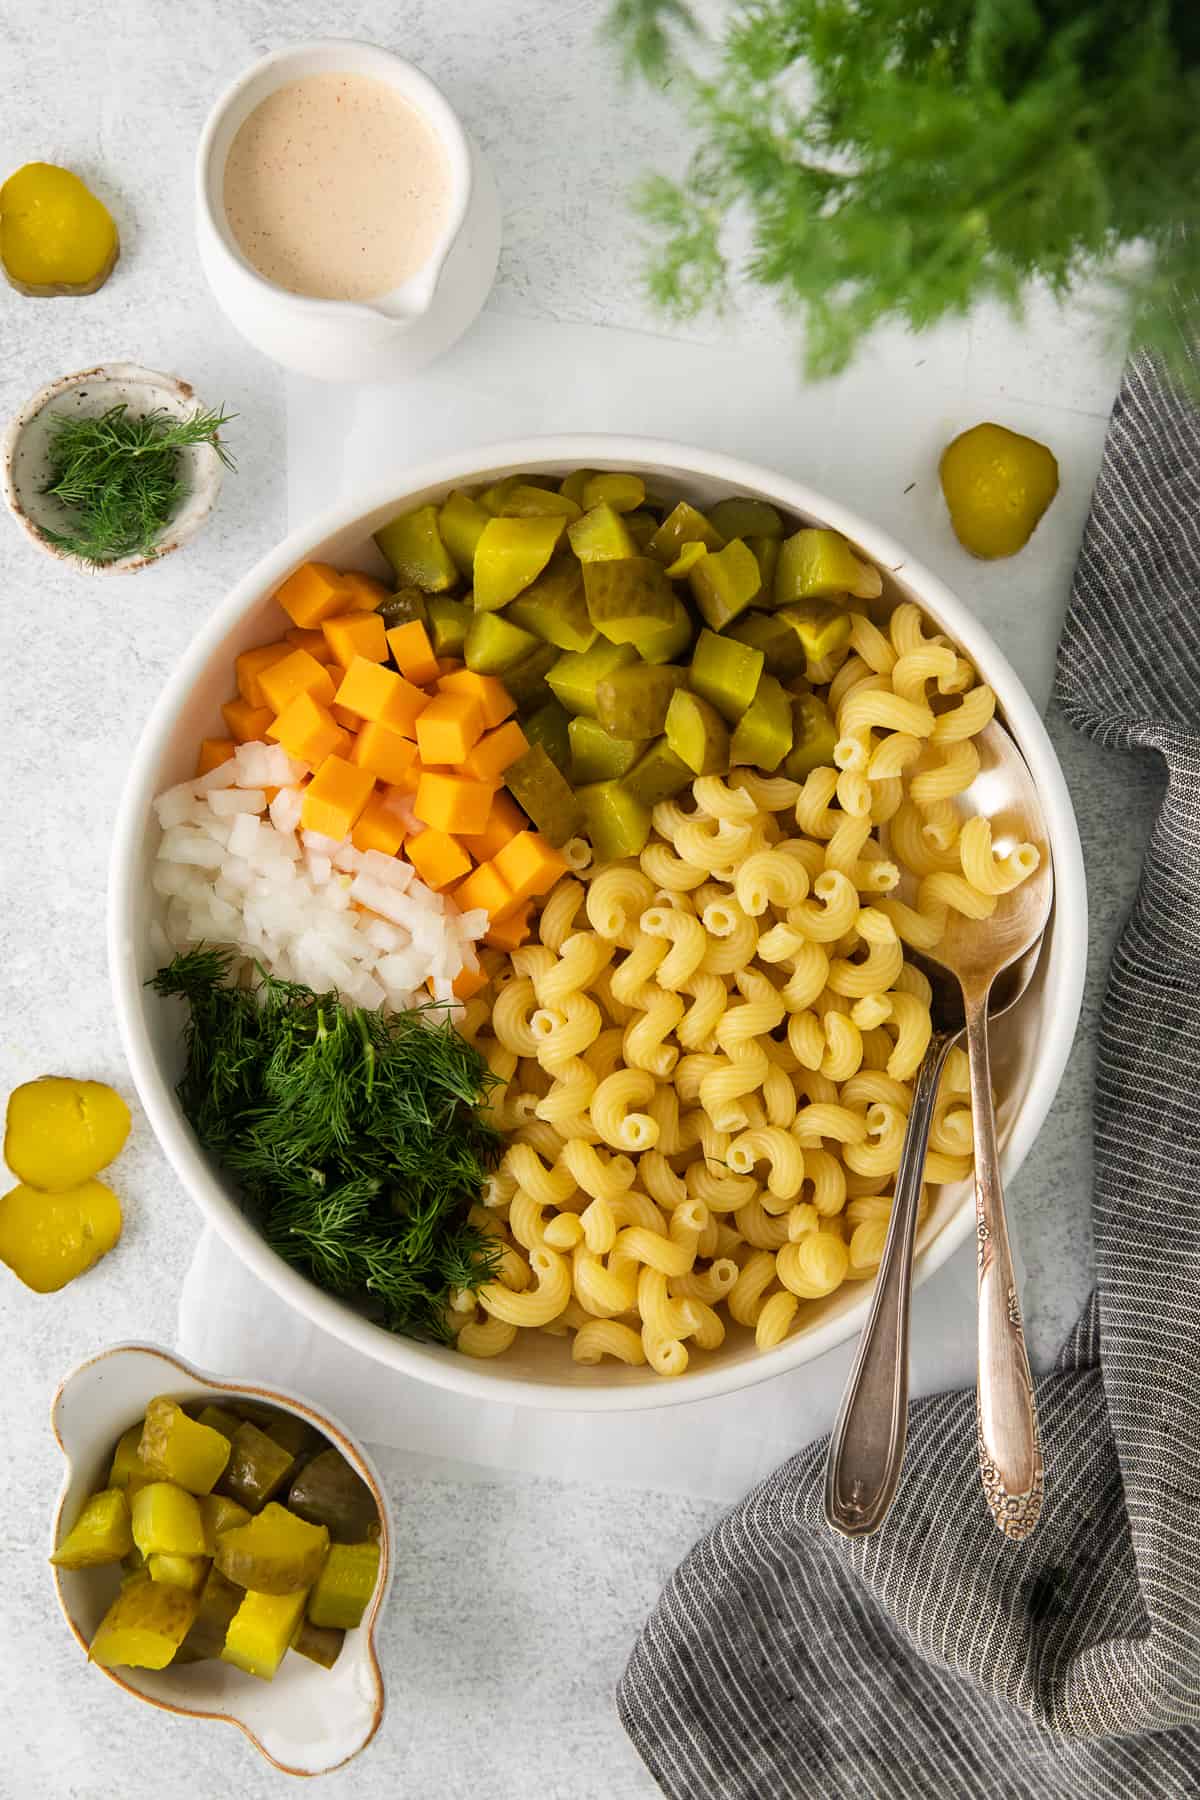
(658, 775)
(600, 536)
(413, 545)
(101, 1533)
(320, 1643)
(176, 1448)
(576, 676)
(814, 734)
(261, 1631)
(461, 521)
(548, 726)
(684, 524)
(632, 702)
(815, 564)
(597, 754)
(763, 735)
(144, 1626)
(344, 1586)
(494, 645)
(257, 1467)
(725, 582)
(446, 622)
(219, 1601)
(537, 786)
(629, 599)
(509, 555)
(273, 1553)
(743, 517)
(784, 656)
(553, 607)
(696, 733)
(725, 673)
(617, 823)
(328, 1492)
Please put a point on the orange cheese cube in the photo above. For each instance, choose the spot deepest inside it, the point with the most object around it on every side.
(510, 932)
(351, 720)
(383, 751)
(335, 797)
(312, 641)
(356, 634)
(453, 802)
(377, 693)
(468, 982)
(309, 731)
(214, 752)
(313, 593)
(487, 889)
(494, 751)
(529, 865)
(364, 590)
(437, 859)
(249, 666)
(379, 827)
(449, 726)
(296, 673)
(412, 652)
(504, 822)
(246, 724)
(494, 698)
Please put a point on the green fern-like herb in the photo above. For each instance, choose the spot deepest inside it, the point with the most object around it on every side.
(905, 159)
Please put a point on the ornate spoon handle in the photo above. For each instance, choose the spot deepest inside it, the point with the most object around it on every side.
(866, 1450)
(1010, 1451)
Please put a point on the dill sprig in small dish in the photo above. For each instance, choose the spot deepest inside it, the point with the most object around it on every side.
(122, 477)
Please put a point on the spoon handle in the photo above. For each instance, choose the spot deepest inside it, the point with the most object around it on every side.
(866, 1450)
(1010, 1451)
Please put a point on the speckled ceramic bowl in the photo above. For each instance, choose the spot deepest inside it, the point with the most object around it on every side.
(25, 467)
(308, 1720)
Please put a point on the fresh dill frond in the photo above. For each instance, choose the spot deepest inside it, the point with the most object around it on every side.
(122, 477)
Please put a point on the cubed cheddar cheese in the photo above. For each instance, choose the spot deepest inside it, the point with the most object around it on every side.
(453, 803)
(373, 692)
(364, 590)
(309, 731)
(246, 724)
(214, 752)
(494, 752)
(356, 634)
(529, 865)
(437, 859)
(412, 652)
(295, 673)
(335, 797)
(510, 932)
(448, 728)
(486, 889)
(312, 641)
(383, 751)
(351, 720)
(315, 592)
(248, 668)
(378, 827)
(468, 982)
(495, 701)
(504, 822)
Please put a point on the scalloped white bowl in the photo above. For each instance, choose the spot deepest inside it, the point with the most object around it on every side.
(308, 1720)
(1031, 1044)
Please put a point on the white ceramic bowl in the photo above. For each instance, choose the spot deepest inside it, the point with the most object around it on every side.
(1031, 1044)
(308, 1720)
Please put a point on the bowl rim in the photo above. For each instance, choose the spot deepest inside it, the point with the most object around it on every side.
(338, 1435)
(596, 450)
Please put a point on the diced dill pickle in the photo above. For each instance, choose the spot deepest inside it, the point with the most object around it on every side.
(492, 498)
(600, 536)
(597, 754)
(616, 822)
(537, 786)
(494, 645)
(574, 677)
(295, 1434)
(689, 555)
(133, 1561)
(684, 524)
(345, 1586)
(219, 1601)
(126, 1461)
(553, 607)
(176, 1448)
(783, 653)
(256, 1412)
(509, 555)
(624, 493)
(658, 775)
(815, 564)
(460, 521)
(257, 1467)
(725, 582)
(524, 501)
(743, 517)
(763, 734)
(641, 526)
(274, 1553)
(320, 1643)
(572, 485)
(547, 726)
(413, 545)
(526, 682)
(144, 1626)
(260, 1632)
(632, 702)
(766, 554)
(166, 1521)
(447, 624)
(673, 641)
(726, 673)
(178, 1571)
(219, 1513)
(329, 1492)
(402, 607)
(696, 733)
(813, 736)
(100, 1534)
(219, 1418)
(821, 628)
(628, 599)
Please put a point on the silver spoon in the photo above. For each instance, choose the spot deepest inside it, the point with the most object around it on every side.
(867, 1447)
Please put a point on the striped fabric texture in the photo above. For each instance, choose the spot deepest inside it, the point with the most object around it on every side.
(937, 1659)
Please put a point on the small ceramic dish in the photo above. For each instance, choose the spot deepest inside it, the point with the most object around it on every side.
(308, 1720)
(25, 468)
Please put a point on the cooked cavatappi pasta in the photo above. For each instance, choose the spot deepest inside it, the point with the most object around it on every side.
(704, 1063)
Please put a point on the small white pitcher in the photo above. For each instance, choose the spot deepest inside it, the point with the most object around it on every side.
(342, 340)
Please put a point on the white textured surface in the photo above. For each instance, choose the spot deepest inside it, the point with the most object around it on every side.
(515, 1604)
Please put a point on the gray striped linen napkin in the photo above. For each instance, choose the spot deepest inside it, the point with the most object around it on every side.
(937, 1659)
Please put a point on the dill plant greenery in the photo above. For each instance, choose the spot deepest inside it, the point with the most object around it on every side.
(906, 159)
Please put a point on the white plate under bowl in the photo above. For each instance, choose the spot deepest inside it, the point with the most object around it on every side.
(1031, 1045)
